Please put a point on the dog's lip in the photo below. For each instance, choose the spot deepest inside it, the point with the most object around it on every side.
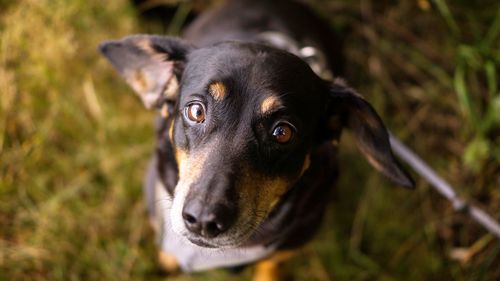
(206, 244)
(201, 243)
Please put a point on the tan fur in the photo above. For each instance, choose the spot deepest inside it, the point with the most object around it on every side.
(306, 165)
(180, 155)
(217, 90)
(268, 269)
(264, 192)
(145, 81)
(190, 165)
(171, 133)
(145, 45)
(168, 263)
(139, 81)
(172, 88)
(269, 103)
(164, 111)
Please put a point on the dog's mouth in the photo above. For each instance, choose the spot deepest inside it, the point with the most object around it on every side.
(228, 241)
(201, 243)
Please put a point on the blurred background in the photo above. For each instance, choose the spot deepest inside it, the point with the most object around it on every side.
(75, 141)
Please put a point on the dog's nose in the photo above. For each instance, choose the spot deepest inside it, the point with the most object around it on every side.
(205, 220)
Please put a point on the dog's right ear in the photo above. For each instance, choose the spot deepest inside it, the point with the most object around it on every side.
(151, 65)
(354, 113)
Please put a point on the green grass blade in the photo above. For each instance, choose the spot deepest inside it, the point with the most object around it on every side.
(448, 17)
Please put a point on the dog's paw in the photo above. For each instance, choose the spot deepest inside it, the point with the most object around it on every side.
(168, 263)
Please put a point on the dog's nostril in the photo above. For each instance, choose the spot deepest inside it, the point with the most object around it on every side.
(189, 219)
(207, 222)
(192, 223)
(212, 229)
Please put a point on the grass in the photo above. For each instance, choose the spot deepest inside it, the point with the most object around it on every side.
(74, 143)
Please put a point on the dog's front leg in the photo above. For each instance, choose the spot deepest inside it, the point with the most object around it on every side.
(269, 268)
(168, 263)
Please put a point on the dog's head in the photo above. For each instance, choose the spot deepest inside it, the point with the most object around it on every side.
(242, 120)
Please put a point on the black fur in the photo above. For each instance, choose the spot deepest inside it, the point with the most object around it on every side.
(223, 46)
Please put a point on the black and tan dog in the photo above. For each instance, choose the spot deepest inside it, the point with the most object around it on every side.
(246, 151)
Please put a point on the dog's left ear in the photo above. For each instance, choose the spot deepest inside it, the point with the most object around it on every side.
(346, 108)
(151, 65)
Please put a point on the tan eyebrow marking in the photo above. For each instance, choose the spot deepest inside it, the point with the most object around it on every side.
(270, 103)
(217, 90)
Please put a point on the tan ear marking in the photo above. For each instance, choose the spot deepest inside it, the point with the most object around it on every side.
(172, 88)
(139, 81)
(145, 45)
(270, 103)
(217, 90)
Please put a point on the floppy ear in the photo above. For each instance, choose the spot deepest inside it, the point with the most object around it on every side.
(150, 64)
(369, 132)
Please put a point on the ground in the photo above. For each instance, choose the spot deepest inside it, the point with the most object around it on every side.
(75, 141)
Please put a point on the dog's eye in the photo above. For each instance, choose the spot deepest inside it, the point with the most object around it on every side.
(196, 112)
(282, 133)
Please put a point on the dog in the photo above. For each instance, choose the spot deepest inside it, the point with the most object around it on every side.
(250, 113)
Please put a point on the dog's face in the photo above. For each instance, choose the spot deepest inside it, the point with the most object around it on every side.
(242, 130)
(242, 119)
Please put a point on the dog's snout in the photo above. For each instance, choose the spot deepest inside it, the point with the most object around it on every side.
(207, 221)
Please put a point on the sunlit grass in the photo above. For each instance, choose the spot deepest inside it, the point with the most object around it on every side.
(74, 143)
